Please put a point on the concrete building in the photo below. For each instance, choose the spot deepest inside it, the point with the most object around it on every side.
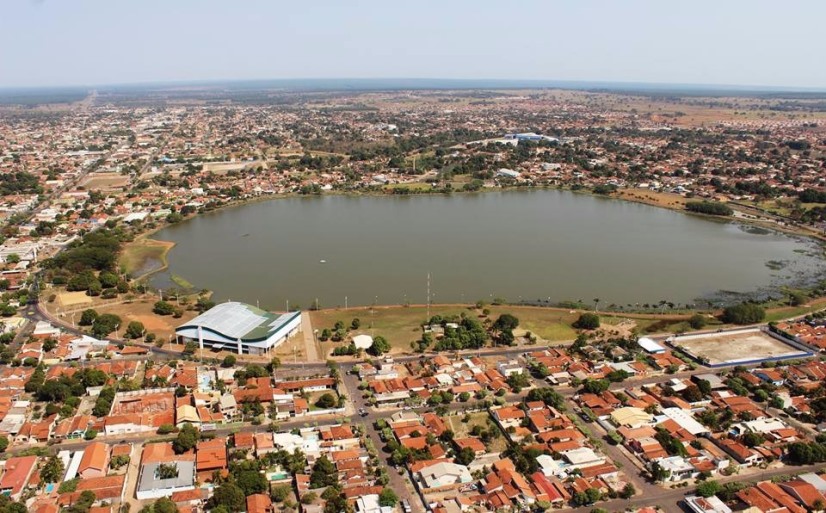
(151, 486)
(239, 327)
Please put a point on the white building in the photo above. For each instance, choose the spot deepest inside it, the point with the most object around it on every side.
(650, 346)
(240, 327)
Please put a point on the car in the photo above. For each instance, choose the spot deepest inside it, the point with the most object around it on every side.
(362, 412)
(406, 506)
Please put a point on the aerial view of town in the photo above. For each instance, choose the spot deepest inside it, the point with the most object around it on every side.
(581, 293)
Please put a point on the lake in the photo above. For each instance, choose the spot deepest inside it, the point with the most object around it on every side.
(519, 245)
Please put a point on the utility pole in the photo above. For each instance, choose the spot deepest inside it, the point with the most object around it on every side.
(345, 302)
(428, 297)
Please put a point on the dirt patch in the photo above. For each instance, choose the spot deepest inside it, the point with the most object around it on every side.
(104, 181)
(69, 299)
(736, 346)
(657, 199)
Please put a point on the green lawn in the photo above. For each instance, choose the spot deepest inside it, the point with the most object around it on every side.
(399, 325)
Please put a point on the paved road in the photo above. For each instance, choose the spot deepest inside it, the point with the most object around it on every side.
(399, 483)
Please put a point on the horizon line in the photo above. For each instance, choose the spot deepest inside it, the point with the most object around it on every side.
(458, 83)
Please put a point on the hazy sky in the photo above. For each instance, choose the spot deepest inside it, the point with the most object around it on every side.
(87, 42)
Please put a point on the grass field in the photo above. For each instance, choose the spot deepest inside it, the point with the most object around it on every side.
(144, 255)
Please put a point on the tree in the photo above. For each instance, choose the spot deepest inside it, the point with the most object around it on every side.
(87, 318)
(186, 440)
(4, 443)
(281, 492)
(465, 456)
(326, 401)
(90, 434)
(230, 496)
(108, 279)
(52, 471)
(589, 496)
(379, 347)
(229, 361)
(105, 324)
(164, 505)
(167, 470)
(708, 488)
(628, 491)
(587, 321)
(324, 473)
(163, 308)
(658, 473)
(697, 321)
(251, 481)
(355, 324)
(506, 322)
(547, 395)
(595, 386)
(744, 313)
(388, 498)
(134, 330)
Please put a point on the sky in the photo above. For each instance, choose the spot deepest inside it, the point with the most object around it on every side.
(720, 42)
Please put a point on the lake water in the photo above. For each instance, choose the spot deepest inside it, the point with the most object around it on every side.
(519, 245)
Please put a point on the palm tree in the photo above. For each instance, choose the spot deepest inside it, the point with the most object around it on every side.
(596, 304)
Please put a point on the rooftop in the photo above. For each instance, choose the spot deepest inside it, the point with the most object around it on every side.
(239, 320)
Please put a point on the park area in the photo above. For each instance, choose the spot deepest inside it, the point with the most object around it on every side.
(401, 325)
(729, 348)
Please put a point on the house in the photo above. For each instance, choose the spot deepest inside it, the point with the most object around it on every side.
(679, 468)
(443, 475)
(804, 492)
(741, 454)
(16, 475)
(211, 455)
(630, 417)
(228, 406)
(95, 461)
(706, 505)
(259, 503)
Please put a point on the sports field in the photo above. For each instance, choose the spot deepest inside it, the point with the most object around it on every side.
(736, 346)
